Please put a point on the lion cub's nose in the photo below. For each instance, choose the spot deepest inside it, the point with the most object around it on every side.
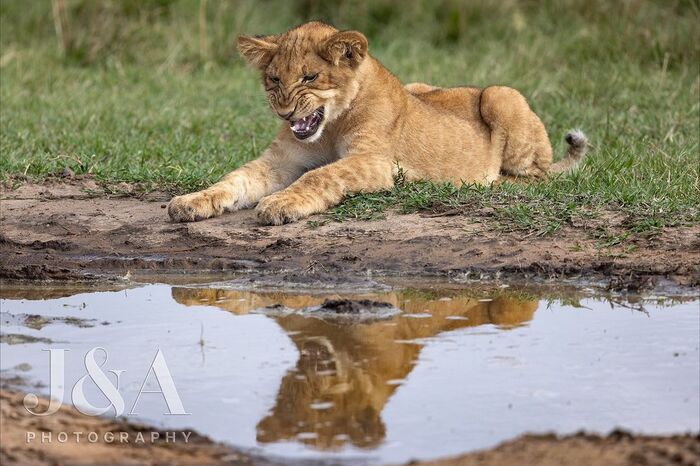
(286, 116)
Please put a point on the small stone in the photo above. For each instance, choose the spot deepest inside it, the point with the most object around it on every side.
(67, 173)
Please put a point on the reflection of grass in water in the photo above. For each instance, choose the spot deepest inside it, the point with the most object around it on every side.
(548, 294)
(618, 301)
(475, 293)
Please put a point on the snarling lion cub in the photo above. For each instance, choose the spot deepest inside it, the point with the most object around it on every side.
(349, 124)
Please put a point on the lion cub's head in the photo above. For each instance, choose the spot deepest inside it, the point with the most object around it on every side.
(309, 73)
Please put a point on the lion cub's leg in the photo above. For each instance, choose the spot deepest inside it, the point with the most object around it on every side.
(516, 131)
(324, 187)
(239, 189)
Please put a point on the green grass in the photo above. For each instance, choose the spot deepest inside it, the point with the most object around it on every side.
(136, 98)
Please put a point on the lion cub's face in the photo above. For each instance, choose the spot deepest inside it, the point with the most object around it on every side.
(309, 73)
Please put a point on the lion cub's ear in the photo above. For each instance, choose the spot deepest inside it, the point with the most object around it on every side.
(347, 46)
(258, 50)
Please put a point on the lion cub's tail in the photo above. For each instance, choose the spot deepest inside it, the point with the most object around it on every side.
(578, 146)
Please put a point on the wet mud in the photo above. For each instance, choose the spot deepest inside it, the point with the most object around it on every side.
(67, 231)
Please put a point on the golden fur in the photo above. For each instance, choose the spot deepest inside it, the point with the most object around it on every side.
(371, 125)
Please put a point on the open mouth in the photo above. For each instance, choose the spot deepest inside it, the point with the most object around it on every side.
(307, 126)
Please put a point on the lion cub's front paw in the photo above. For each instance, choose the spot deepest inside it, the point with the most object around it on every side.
(278, 209)
(193, 207)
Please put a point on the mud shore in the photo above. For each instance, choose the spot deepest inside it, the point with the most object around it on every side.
(61, 230)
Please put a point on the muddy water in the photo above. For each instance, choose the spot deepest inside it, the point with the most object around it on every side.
(429, 373)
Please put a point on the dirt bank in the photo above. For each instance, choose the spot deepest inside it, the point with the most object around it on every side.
(73, 230)
(23, 444)
(618, 448)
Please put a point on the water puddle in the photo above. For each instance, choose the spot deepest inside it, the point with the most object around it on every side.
(387, 376)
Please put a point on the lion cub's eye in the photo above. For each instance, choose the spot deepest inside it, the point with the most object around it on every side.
(274, 79)
(309, 78)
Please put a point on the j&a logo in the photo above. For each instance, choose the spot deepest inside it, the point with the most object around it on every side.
(96, 375)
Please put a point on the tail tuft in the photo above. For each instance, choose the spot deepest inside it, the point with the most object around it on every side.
(578, 145)
(577, 140)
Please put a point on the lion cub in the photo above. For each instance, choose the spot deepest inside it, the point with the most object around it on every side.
(348, 124)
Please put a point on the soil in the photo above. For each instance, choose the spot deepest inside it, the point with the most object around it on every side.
(73, 230)
(617, 448)
(16, 449)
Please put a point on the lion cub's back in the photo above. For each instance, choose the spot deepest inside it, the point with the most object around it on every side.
(460, 101)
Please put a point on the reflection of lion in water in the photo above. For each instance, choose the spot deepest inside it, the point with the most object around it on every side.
(345, 372)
